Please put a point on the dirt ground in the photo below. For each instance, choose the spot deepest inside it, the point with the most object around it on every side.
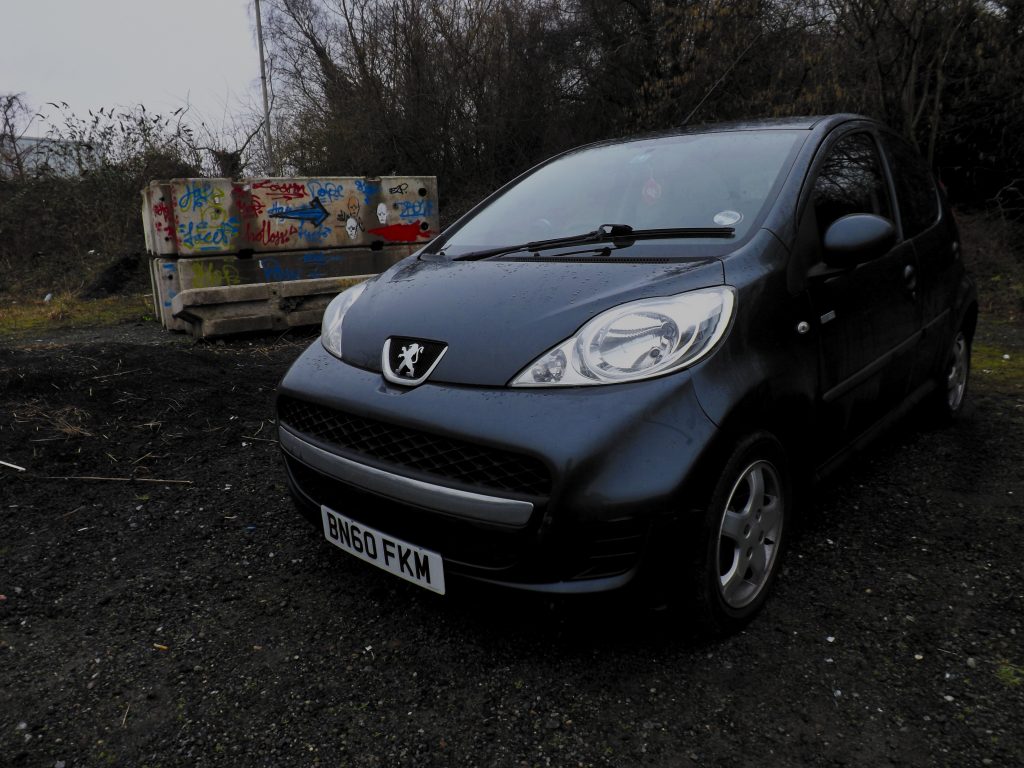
(162, 604)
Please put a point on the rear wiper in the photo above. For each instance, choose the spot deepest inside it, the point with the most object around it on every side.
(621, 235)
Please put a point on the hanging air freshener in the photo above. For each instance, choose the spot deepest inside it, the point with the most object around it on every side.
(651, 192)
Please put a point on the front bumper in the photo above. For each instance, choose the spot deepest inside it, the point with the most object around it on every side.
(554, 490)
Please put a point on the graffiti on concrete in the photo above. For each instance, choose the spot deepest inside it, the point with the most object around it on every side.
(205, 217)
(219, 271)
(403, 233)
(314, 213)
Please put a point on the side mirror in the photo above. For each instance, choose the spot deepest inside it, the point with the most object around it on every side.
(856, 238)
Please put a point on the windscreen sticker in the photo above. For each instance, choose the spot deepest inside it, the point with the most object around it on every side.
(728, 218)
(651, 192)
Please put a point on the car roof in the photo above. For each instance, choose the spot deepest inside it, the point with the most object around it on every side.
(805, 122)
(802, 122)
(813, 123)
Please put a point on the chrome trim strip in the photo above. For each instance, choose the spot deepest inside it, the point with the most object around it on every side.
(438, 498)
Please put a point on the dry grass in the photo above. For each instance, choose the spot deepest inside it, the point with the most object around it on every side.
(65, 421)
(65, 310)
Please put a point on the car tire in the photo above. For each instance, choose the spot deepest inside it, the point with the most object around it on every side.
(742, 536)
(947, 401)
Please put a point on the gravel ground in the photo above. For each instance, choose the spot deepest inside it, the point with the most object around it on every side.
(179, 612)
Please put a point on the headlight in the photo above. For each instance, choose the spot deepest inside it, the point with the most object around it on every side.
(330, 332)
(638, 340)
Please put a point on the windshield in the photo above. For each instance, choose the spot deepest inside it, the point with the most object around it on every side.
(703, 180)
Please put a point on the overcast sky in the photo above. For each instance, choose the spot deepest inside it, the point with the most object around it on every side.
(110, 53)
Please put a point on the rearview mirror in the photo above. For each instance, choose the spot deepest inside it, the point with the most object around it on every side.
(856, 238)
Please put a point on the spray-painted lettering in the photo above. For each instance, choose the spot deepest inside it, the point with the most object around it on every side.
(163, 219)
(317, 235)
(198, 195)
(203, 236)
(249, 205)
(281, 190)
(274, 271)
(314, 264)
(327, 191)
(415, 209)
(213, 275)
(265, 234)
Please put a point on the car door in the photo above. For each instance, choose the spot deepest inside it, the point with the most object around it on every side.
(931, 229)
(867, 316)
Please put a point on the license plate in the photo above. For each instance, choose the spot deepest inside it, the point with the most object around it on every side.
(405, 560)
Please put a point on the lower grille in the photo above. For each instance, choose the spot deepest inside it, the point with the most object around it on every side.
(459, 540)
(455, 460)
(608, 549)
(573, 553)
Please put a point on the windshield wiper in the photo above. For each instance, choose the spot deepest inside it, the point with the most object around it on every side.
(621, 235)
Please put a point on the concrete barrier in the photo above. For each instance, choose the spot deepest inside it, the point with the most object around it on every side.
(262, 254)
(260, 307)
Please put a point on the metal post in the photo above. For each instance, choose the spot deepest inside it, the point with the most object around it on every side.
(273, 170)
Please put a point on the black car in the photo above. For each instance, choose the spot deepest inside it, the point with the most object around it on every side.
(624, 365)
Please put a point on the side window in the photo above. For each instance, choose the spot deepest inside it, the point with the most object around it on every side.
(850, 181)
(915, 187)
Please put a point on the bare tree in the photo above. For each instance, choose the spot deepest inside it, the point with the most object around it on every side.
(16, 120)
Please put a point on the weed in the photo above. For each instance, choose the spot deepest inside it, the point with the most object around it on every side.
(1010, 675)
(999, 370)
(20, 318)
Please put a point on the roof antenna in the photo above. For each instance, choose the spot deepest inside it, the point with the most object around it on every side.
(718, 82)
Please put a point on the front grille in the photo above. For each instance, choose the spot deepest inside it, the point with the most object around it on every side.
(455, 460)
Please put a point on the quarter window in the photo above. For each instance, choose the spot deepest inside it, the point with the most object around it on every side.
(915, 187)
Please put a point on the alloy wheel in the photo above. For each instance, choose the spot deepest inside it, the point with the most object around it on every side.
(749, 534)
(956, 379)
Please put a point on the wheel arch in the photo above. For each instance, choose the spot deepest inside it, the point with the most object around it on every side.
(969, 322)
(785, 418)
(967, 302)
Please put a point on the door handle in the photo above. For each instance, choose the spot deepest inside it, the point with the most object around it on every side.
(910, 277)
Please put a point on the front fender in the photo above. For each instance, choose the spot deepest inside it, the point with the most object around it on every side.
(765, 374)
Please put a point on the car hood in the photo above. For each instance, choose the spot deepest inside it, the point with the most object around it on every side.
(498, 316)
